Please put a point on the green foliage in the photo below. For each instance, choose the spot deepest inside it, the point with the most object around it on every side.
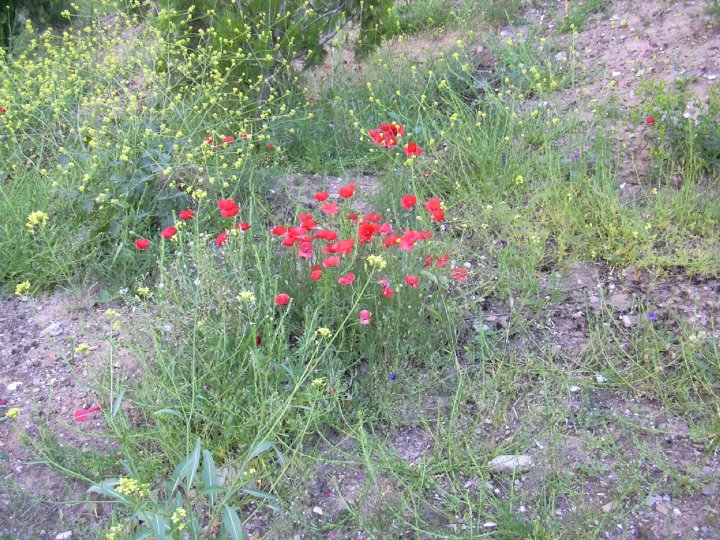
(575, 17)
(263, 39)
(190, 503)
(42, 13)
(685, 129)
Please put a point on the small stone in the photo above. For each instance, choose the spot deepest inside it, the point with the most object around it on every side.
(662, 509)
(490, 525)
(677, 512)
(64, 536)
(711, 491)
(511, 463)
(317, 510)
(14, 386)
(607, 507)
(54, 330)
(574, 389)
(628, 322)
(620, 301)
(600, 378)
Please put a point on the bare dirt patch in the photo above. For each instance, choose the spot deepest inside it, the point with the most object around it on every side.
(43, 375)
(636, 40)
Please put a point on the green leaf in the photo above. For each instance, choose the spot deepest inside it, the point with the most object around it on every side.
(107, 488)
(118, 402)
(169, 411)
(209, 474)
(178, 476)
(186, 469)
(232, 524)
(157, 523)
(193, 463)
(260, 494)
(264, 446)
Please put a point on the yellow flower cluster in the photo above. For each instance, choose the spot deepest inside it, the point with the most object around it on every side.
(36, 219)
(21, 289)
(324, 332)
(376, 261)
(130, 486)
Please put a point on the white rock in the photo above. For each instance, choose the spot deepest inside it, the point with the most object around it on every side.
(490, 525)
(600, 378)
(14, 386)
(64, 536)
(54, 330)
(511, 463)
(574, 389)
(317, 510)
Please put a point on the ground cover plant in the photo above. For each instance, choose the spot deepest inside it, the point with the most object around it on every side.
(339, 288)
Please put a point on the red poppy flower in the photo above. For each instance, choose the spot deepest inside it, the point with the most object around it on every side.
(385, 282)
(228, 208)
(460, 274)
(372, 218)
(282, 299)
(168, 232)
(2, 401)
(649, 120)
(142, 243)
(82, 415)
(258, 340)
(270, 146)
(434, 206)
(388, 292)
(442, 261)
(343, 247)
(347, 279)
(385, 229)
(278, 230)
(208, 140)
(408, 201)
(413, 150)
(326, 235)
(428, 261)
(392, 240)
(316, 272)
(412, 281)
(394, 129)
(305, 251)
(321, 196)
(186, 215)
(330, 208)
(297, 232)
(331, 261)
(409, 238)
(244, 226)
(221, 238)
(353, 217)
(347, 191)
(308, 222)
(366, 231)
(364, 317)
(229, 139)
(3, 110)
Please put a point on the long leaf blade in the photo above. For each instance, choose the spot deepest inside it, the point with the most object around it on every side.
(210, 478)
(232, 524)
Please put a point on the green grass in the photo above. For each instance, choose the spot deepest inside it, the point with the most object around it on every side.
(530, 191)
(576, 16)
